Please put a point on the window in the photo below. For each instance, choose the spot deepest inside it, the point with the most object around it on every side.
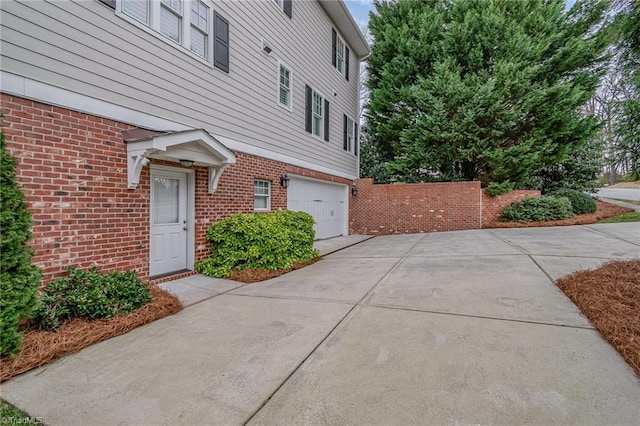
(171, 19)
(199, 28)
(350, 135)
(137, 9)
(190, 24)
(284, 86)
(285, 5)
(340, 54)
(261, 195)
(316, 114)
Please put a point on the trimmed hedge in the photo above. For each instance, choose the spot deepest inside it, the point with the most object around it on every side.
(540, 209)
(90, 294)
(19, 279)
(269, 241)
(581, 203)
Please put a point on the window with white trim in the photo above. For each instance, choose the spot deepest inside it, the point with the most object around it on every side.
(350, 135)
(340, 55)
(284, 86)
(188, 23)
(261, 195)
(199, 43)
(171, 19)
(317, 114)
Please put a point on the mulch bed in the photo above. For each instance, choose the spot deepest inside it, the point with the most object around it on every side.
(610, 298)
(41, 346)
(604, 211)
(251, 275)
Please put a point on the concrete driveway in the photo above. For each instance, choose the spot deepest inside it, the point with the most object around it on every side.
(458, 327)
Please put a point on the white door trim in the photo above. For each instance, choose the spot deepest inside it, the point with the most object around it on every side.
(191, 210)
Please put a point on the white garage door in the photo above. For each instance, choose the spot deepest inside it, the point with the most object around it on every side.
(326, 202)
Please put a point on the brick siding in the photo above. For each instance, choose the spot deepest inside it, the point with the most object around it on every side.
(72, 168)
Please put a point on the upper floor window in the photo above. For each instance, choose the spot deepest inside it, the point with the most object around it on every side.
(286, 6)
(316, 114)
(340, 54)
(261, 195)
(199, 28)
(189, 23)
(284, 86)
(350, 135)
(171, 19)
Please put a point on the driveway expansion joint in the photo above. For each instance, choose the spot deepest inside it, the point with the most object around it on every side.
(608, 234)
(456, 314)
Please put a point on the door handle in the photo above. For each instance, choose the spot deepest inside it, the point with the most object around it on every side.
(184, 228)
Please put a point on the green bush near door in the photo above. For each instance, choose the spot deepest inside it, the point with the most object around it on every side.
(269, 241)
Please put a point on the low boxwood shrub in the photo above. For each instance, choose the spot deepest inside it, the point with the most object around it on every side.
(540, 209)
(19, 279)
(581, 203)
(269, 241)
(90, 294)
(494, 189)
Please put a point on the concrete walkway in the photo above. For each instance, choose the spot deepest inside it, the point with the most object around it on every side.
(445, 328)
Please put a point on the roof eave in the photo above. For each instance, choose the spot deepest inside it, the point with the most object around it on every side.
(344, 22)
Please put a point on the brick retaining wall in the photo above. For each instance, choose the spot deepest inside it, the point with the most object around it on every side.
(425, 207)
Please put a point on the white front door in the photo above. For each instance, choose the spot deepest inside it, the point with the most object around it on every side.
(168, 251)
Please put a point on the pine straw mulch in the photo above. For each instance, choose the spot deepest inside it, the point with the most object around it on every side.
(604, 211)
(610, 298)
(251, 275)
(41, 346)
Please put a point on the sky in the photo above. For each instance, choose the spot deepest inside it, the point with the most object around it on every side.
(360, 9)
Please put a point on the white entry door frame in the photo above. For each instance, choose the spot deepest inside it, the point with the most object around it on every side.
(172, 220)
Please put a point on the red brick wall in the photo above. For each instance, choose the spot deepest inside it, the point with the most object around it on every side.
(73, 170)
(493, 206)
(420, 207)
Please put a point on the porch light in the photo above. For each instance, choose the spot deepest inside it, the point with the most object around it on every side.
(354, 191)
(284, 181)
(187, 163)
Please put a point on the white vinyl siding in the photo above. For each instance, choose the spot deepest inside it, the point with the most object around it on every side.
(317, 118)
(84, 48)
(261, 195)
(284, 86)
(199, 28)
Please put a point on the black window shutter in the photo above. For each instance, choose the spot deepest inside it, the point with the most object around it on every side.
(307, 109)
(221, 42)
(110, 3)
(326, 120)
(346, 60)
(355, 139)
(333, 46)
(287, 6)
(345, 132)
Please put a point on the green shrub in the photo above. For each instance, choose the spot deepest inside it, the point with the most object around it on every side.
(19, 279)
(90, 294)
(259, 240)
(581, 203)
(494, 189)
(540, 209)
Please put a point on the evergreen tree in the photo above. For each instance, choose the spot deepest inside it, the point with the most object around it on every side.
(19, 279)
(629, 126)
(482, 89)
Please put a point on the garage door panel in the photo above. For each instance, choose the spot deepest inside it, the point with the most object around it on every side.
(326, 202)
